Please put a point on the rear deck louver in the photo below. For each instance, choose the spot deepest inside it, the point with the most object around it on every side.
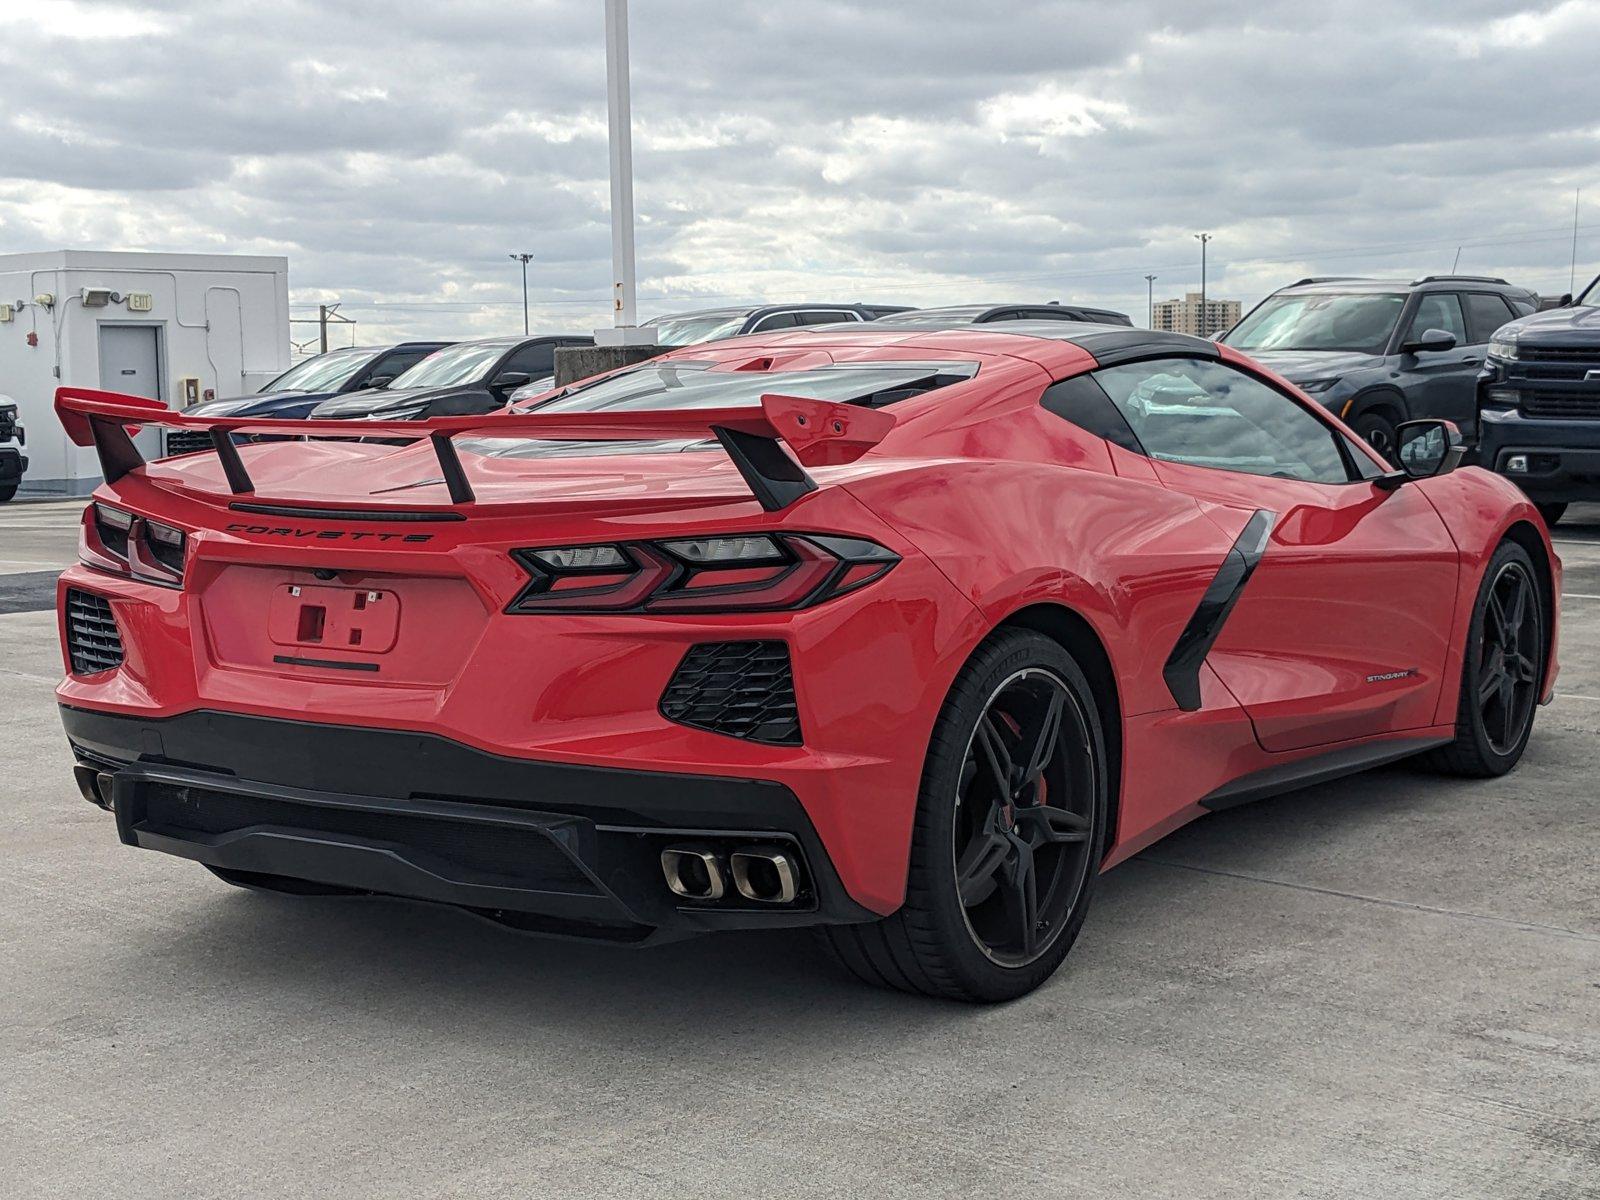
(93, 644)
(742, 689)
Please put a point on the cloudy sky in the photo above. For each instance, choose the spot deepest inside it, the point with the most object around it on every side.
(907, 151)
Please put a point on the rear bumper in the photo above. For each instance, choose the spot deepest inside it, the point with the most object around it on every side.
(551, 847)
(1563, 456)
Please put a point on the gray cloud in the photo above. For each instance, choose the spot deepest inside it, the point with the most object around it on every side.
(923, 151)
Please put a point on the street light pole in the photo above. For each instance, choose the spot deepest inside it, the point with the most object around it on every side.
(1200, 325)
(524, 258)
(1150, 300)
(619, 107)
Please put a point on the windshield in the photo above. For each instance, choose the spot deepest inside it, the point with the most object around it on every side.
(672, 385)
(325, 373)
(695, 328)
(1591, 294)
(466, 363)
(934, 314)
(1358, 322)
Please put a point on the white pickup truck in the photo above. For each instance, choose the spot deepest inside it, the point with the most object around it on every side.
(13, 462)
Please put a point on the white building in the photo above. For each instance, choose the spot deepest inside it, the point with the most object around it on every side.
(175, 327)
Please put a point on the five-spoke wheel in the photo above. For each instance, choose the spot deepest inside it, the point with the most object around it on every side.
(1010, 831)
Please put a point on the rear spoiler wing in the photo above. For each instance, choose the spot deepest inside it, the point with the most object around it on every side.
(818, 432)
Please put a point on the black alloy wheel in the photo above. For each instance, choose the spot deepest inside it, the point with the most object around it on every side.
(1502, 674)
(1009, 834)
(1021, 832)
(1378, 432)
(1509, 657)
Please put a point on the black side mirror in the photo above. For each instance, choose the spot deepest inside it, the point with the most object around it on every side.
(1427, 449)
(1431, 341)
(510, 379)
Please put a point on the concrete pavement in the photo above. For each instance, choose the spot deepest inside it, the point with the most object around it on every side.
(1384, 987)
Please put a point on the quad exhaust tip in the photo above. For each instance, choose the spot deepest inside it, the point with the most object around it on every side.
(693, 872)
(765, 874)
(760, 874)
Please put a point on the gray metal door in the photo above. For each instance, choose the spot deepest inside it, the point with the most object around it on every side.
(130, 362)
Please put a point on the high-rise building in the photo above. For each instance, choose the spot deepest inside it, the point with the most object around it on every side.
(1190, 316)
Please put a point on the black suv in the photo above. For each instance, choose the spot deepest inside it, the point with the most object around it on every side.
(1539, 404)
(990, 314)
(1379, 352)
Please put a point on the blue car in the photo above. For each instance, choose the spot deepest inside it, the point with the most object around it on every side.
(292, 395)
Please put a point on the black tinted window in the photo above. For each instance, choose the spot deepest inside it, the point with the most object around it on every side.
(400, 360)
(535, 360)
(776, 321)
(1439, 310)
(1084, 402)
(1485, 314)
(1207, 414)
(824, 316)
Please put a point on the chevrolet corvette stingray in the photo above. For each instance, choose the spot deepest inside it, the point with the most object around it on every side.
(907, 634)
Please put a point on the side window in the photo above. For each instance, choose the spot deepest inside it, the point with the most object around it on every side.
(1485, 314)
(1084, 402)
(776, 321)
(537, 361)
(1439, 310)
(825, 316)
(1208, 414)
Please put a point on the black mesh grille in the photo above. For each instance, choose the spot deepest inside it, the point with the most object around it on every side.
(743, 689)
(187, 441)
(92, 641)
(1579, 405)
(508, 855)
(1526, 353)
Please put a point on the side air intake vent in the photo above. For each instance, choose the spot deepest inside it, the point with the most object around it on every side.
(92, 641)
(187, 441)
(742, 689)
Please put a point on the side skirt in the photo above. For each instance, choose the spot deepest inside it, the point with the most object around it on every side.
(1318, 768)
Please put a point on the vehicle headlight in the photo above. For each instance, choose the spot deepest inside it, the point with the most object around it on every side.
(1318, 385)
(408, 412)
(1503, 348)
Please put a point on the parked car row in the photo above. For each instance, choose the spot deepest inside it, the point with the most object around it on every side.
(418, 380)
(1519, 377)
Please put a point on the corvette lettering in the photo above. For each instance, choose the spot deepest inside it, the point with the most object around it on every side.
(325, 535)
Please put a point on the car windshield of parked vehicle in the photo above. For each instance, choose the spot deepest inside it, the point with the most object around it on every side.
(466, 363)
(1591, 294)
(1360, 322)
(325, 373)
(695, 328)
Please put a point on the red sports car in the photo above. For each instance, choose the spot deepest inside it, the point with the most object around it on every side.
(906, 634)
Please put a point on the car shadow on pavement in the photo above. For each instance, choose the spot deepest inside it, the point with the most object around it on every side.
(384, 954)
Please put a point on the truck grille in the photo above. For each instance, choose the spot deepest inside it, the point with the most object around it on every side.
(93, 644)
(1582, 406)
(1588, 354)
(742, 689)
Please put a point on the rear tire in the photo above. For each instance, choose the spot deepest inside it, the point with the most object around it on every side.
(1551, 513)
(1502, 673)
(1001, 930)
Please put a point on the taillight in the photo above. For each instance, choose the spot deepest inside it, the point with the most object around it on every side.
(125, 543)
(726, 573)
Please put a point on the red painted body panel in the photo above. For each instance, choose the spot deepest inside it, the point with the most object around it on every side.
(994, 505)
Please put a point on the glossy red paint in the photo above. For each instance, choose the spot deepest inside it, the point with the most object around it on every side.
(998, 510)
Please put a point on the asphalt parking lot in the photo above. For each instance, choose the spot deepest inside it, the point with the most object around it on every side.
(1384, 987)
